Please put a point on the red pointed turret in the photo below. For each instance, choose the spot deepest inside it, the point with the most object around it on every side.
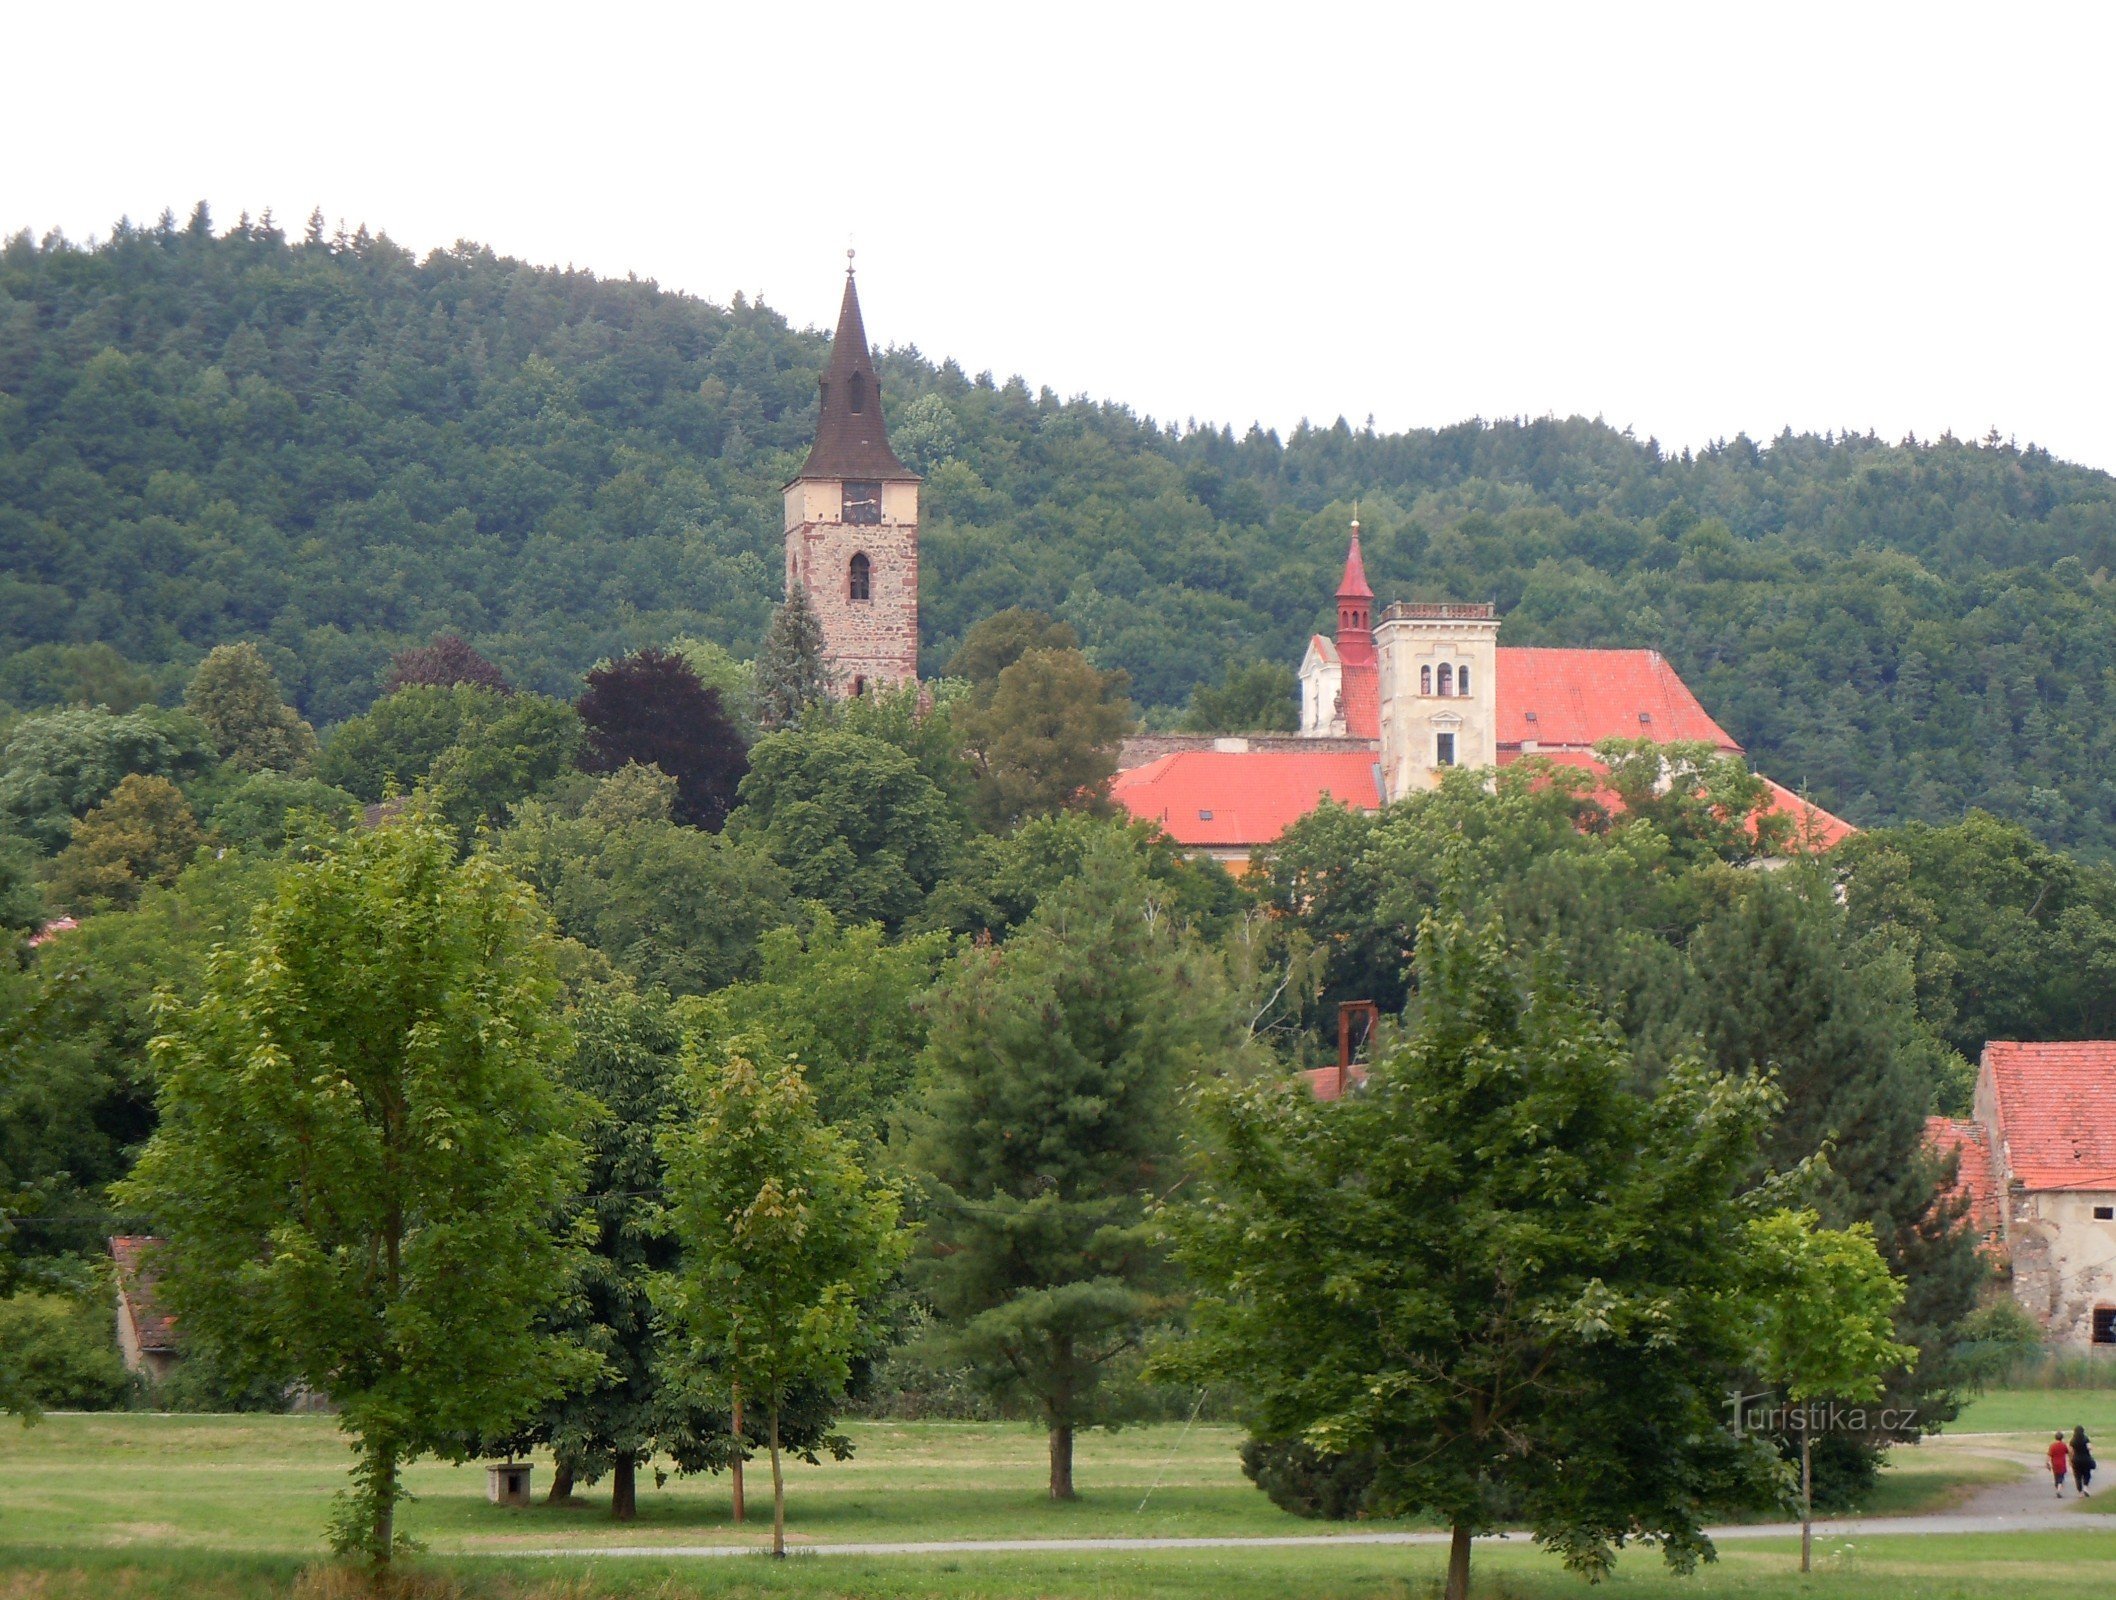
(1355, 600)
(1361, 689)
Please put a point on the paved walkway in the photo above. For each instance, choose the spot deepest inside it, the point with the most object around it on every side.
(2022, 1505)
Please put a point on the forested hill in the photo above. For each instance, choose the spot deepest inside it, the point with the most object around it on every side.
(334, 448)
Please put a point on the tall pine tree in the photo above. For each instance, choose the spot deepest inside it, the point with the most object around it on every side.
(792, 672)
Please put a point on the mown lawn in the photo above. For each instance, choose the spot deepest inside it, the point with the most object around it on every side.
(264, 1483)
(137, 1507)
(2042, 1412)
(1996, 1567)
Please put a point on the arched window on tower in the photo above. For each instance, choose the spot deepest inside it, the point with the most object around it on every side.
(1447, 679)
(1425, 679)
(859, 578)
(856, 391)
(1462, 681)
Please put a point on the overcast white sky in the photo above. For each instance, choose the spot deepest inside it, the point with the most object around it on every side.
(1688, 219)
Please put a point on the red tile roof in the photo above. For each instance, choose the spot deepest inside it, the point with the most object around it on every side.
(1578, 697)
(1814, 830)
(1223, 799)
(1353, 585)
(1976, 1174)
(136, 1283)
(2056, 1110)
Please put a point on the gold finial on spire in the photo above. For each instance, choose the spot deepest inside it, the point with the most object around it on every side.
(1355, 516)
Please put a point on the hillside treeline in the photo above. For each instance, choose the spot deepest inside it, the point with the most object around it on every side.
(334, 448)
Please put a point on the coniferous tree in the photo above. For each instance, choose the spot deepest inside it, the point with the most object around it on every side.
(1047, 1123)
(650, 708)
(1772, 984)
(792, 670)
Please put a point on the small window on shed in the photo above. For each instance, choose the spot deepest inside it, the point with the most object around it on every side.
(859, 577)
(1447, 678)
(2105, 1324)
(2105, 1213)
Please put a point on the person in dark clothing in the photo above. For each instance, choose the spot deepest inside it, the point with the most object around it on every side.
(2082, 1460)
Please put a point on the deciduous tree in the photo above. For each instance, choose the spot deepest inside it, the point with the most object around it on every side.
(785, 1239)
(144, 833)
(852, 820)
(1821, 1321)
(361, 1153)
(650, 708)
(1254, 697)
(1046, 737)
(235, 696)
(448, 661)
(1498, 1274)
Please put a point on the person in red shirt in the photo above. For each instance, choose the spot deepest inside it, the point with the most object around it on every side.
(2060, 1455)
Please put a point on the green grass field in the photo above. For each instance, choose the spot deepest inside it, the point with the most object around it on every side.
(137, 1507)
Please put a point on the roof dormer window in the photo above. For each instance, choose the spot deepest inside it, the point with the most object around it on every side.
(856, 392)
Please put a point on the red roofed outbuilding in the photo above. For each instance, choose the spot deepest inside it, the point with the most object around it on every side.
(146, 1334)
(2048, 1112)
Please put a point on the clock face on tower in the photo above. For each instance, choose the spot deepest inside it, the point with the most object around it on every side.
(863, 502)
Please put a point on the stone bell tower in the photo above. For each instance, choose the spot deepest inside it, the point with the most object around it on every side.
(852, 522)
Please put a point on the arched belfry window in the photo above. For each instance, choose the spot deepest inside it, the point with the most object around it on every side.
(1425, 679)
(859, 579)
(1462, 680)
(856, 391)
(1447, 678)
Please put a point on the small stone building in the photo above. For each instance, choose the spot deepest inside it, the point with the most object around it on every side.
(2039, 1159)
(146, 1336)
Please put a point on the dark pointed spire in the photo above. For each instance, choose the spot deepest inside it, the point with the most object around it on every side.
(851, 441)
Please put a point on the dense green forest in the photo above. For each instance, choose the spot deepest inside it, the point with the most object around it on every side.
(336, 449)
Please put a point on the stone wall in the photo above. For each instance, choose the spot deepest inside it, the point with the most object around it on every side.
(1141, 748)
(871, 642)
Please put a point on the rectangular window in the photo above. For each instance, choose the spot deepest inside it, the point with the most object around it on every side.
(1443, 750)
(2105, 1213)
(2105, 1324)
(863, 502)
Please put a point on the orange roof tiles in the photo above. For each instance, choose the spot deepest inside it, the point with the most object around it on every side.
(2056, 1110)
(1976, 1173)
(1577, 697)
(156, 1330)
(1814, 830)
(1224, 799)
